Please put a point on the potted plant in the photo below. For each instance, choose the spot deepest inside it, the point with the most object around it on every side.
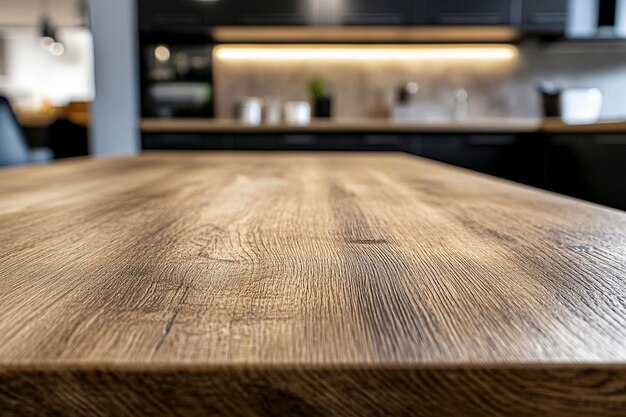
(322, 101)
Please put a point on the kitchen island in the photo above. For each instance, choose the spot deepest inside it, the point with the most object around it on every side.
(324, 284)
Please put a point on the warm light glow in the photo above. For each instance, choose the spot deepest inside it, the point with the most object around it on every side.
(162, 53)
(45, 42)
(364, 52)
(57, 49)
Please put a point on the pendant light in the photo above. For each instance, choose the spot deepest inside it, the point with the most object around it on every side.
(48, 37)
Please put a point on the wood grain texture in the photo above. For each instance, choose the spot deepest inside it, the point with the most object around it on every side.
(552, 125)
(305, 284)
(385, 125)
(556, 125)
(362, 34)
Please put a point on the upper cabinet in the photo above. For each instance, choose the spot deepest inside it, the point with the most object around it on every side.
(464, 12)
(163, 14)
(190, 15)
(373, 12)
(544, 15)
(184, 15)
(276, 12)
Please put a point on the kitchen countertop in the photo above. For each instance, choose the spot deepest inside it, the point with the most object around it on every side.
(496, 125)
(484, 125)
(556, 125)
(41, 120)
(305, 284)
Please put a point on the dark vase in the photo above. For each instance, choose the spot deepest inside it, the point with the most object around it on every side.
(323, 107)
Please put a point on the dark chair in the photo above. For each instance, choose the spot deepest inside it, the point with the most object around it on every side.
(13, 147)
(67, 139)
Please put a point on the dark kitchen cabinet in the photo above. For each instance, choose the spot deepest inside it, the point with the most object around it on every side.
(164, 15)
(514, 157)
(196, 15)
(184, 15)
(320, 141)
(296, 141)
(590, 167)
(544, 15)
(277, 12)
(219, 13)
(463, 12)
(171, 140)
(376, 12)
(327, 141)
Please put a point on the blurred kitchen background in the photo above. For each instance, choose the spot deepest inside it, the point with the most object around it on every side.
(533, 91)
(46, 70)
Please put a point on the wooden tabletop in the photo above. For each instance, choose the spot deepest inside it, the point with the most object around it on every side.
(314, 284)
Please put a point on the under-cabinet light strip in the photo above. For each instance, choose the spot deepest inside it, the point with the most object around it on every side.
(363, 52)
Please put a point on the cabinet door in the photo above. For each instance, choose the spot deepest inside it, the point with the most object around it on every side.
(382, 142)
(590, 167)
(219, 13)
(376, 12)
(184, 15)
(544, 15)
(164, 15)
(513, 157)
(463, 12)
(183, 141)
(277, 12)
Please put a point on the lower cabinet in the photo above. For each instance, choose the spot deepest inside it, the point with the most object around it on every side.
(291, 142)
(270, 141)
(167, 140)
(513, 157)
(590, 167)
(517, 158)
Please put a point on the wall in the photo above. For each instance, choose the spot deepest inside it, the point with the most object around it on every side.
(116, 109)
(368, 88)
(24, 13)
(32, 74)
(576, 64)
(28, 73)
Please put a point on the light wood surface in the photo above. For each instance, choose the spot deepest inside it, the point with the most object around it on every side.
(360, 34)
(495, 125)
(317, 284)
(42, 120)
(556, 125)
(549, 125)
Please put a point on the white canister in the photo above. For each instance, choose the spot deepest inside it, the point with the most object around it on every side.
(273, 112)
(250, 111)
(297, 113)
(581, 105)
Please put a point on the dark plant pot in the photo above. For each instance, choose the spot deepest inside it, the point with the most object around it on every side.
(551, 104)
(323, 107)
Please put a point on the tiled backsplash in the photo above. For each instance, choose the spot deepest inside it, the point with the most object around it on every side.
(497, 88)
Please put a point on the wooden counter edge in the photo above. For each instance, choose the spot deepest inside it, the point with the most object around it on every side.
(549, 125)
(313, 391)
